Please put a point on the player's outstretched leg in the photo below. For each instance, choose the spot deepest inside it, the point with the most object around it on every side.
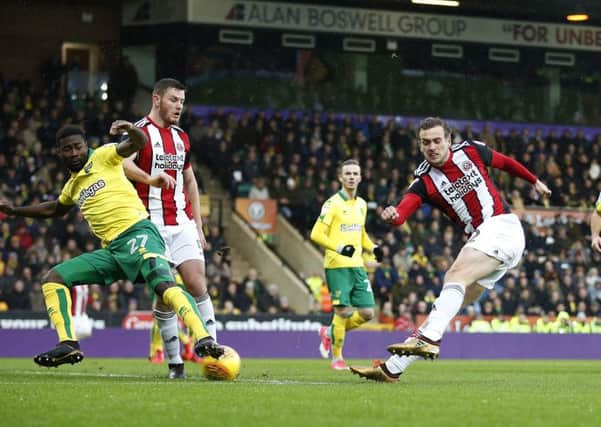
(64, 352)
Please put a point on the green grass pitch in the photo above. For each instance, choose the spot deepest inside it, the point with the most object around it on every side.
(131, 392)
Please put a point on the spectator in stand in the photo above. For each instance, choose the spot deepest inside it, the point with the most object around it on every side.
(258, 190)
(385, 277)
(285, 305)
(269, 302)
(17, 297)
(235, 296)
(404, 320)
(215, 240)
(252, 280)
(386, 316)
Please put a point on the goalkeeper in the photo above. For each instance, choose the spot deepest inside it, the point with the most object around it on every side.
(132, 245)
(340, 230)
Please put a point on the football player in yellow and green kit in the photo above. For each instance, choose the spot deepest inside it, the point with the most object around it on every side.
(340, 230)
(132, 246)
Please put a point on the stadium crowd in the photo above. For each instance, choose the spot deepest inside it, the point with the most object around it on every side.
(293, 158)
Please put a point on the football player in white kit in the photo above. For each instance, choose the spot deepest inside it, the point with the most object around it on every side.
(165, 182)
(454, 178)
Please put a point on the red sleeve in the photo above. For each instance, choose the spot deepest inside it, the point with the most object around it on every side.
(511, 166)
(408, 204)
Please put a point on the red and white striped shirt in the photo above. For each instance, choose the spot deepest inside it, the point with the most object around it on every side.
(168, 150)
(79, 300)
(462, 187)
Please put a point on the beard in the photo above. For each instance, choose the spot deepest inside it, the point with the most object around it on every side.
(166, 116)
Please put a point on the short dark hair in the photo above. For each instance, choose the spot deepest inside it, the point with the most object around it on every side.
(432, 122)
(162, 85)
(69, 130)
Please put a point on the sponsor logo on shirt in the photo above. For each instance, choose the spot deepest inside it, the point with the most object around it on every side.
(169, 161)
(91, 191)
(456, 190)
(349, 228)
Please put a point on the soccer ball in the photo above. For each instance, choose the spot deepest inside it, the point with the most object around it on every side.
(226, 368)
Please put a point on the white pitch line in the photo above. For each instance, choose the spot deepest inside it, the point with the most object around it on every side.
(109, 375)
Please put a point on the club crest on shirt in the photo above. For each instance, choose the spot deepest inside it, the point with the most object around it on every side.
(466, 166)
(88, 167)
(179, 147)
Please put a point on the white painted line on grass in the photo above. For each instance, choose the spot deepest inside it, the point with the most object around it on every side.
(161, 380)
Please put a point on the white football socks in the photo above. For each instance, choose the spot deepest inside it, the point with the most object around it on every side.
(397, 364)
(167, 322)
(207, 313)
(445, 307)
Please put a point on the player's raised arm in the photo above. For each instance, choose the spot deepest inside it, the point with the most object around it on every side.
(42, 210)
(136, 138)
(515, 168)
(133, 172)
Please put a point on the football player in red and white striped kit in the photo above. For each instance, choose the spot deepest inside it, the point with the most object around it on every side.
(165, 181)
(454, 178)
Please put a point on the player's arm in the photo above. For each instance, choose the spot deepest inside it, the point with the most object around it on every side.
(136, 138)
(134, 173)
(515, 168)
(369, 246)
(397, 215)
(596, 227)
(366, 242)
(191, 188)
(320, 233)
(42, 210)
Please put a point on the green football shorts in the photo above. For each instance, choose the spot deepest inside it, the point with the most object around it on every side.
(137, 254)
(350, 287)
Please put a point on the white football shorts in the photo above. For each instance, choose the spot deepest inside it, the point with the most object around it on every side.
(501, 237)
(182, 242)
